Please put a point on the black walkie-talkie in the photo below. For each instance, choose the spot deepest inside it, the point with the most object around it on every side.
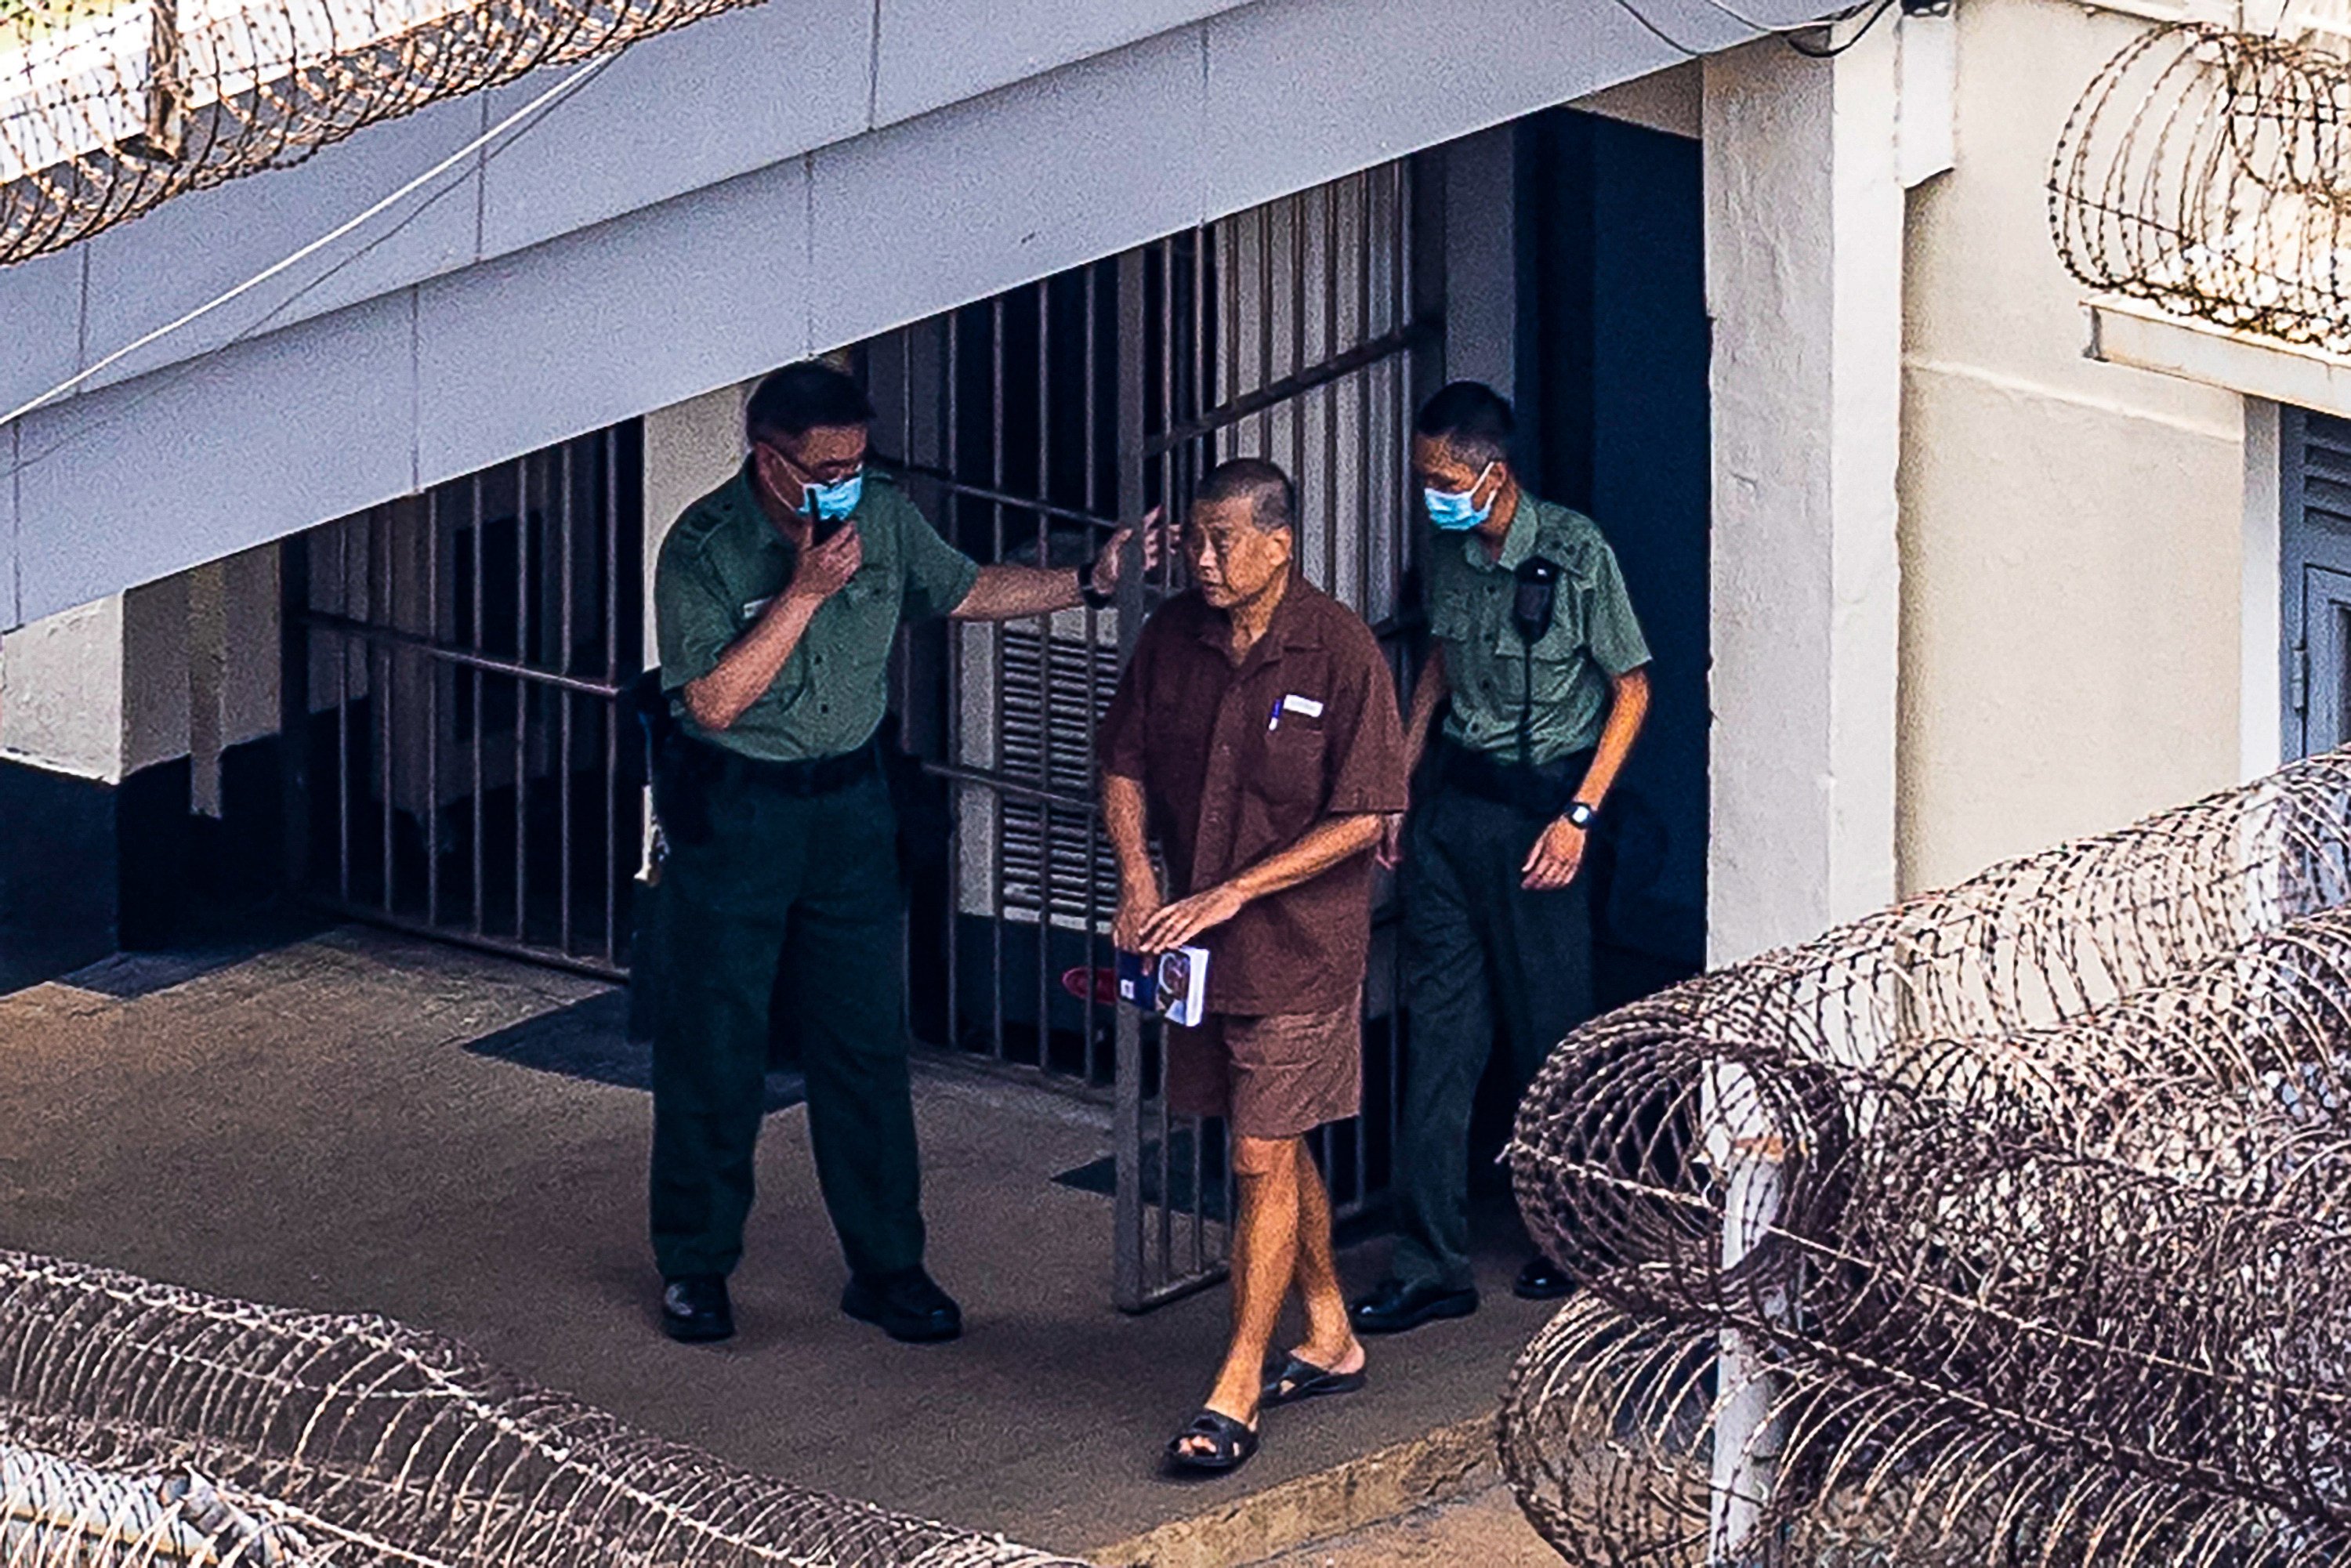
(1531, 604)
(1537, 596)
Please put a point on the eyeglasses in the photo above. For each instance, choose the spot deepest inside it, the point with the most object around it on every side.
(831, 472)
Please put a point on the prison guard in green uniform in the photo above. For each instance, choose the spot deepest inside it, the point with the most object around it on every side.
(1479, 949)
(790, 889)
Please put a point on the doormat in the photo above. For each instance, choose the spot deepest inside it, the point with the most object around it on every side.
(589, 1040)
(1102, 1176)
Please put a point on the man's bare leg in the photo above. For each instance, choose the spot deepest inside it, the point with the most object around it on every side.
(1331, 1342)
(1265, 1255)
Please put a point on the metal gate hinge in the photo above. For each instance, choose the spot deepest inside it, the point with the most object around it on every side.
(2298, 678)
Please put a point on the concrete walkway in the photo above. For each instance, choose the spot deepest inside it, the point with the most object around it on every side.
(1487, 1531)
(307, 1125)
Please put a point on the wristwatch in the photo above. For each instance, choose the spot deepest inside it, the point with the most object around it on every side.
(1579, 814)
(1095, 598)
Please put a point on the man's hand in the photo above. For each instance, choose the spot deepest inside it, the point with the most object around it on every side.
(824, 568)
(1137, 905)
(1154, 544)
(1390, 854)
(1187, 917)
(1553, 861)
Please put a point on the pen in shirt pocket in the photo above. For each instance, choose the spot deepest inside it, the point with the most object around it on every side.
(1273, 719)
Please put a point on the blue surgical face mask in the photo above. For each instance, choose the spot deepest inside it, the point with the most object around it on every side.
(832, 501)
(1451, 509)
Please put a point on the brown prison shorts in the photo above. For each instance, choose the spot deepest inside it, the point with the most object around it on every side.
(1272, 1077)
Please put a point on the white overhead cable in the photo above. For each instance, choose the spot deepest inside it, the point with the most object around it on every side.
(512, 123)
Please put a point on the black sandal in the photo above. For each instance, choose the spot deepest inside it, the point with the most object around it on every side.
(1230, 1444)
(1298, 1379)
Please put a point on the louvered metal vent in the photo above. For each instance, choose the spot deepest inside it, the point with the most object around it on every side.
(1051, 691)
(2326, 471)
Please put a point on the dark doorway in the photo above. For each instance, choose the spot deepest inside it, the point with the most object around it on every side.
(1614, 344)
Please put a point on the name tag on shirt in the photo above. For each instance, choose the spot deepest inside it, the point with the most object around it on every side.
(1305, 707)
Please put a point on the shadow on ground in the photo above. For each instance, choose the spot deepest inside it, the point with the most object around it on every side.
(359, 1122)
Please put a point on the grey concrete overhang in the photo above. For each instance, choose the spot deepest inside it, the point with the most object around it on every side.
(783, 179)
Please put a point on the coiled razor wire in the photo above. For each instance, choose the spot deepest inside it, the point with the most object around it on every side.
(2209, 172)
(2011, 1224)
(144, 1426)
(109, 107)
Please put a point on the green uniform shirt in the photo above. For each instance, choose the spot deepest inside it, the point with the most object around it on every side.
(726, 560)
(1593, 637)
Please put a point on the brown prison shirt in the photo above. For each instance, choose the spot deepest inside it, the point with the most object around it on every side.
(1239, 762)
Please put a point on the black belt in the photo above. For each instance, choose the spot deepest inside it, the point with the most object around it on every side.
(803, 777)
(1539, 789)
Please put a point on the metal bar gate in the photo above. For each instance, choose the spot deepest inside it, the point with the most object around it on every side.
(455, 672)
(456, 663)
(1028, 426)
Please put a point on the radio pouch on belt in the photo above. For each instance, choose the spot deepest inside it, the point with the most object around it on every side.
(1531, 604)
(679, 769)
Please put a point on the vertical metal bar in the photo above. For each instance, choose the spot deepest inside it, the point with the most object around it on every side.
(343, 714)
(1167, 1169)
(1297, 208)
(1265, 321)
(1333, 513)
(432, 669)
(996, 638)
(1176, 469)
(1230, 282)
(481, 601)
(1047, 881)
(382, 611)
(1416, 292)
(951, 501)
(1196, 356)
(522, 698)
(293, 635)
(1090, 281)
(1129, 1288)
(1371, 443)
(1199, 1215)
(614, 716)
(564, 711)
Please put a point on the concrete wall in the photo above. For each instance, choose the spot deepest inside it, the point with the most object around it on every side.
(186, 666)
(2071, 532)
(690, 448)
(1805, 229)
(61, 692)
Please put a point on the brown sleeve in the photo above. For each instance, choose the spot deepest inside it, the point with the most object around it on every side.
(1124, 739)
(1363, 756)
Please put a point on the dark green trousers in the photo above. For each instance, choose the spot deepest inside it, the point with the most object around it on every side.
(1483, 960)
(795, 898)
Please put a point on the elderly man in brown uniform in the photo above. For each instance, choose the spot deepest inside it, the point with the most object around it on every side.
(1255, 731)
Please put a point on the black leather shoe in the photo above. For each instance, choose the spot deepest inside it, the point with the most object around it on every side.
(1543, 1281)
(695, 1311)
(1395, 1306)
(909, 1307)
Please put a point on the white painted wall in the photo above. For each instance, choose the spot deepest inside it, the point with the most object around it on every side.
(61, 692)
(1804, 253)
(186, 666)
(2261, 659)
(2077, 631)
(690, 448)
